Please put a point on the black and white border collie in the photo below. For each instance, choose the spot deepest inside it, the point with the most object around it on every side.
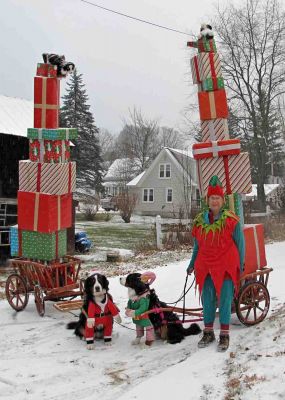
(63, 68)
(166, 324)
(97, 313)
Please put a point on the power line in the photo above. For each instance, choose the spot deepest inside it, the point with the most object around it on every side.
(135, 18)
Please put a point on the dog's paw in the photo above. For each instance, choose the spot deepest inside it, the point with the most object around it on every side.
(136, 341)
(90, 346)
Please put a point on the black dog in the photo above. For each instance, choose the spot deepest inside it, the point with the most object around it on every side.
(98, 312)
(166, 324)
(63, 68)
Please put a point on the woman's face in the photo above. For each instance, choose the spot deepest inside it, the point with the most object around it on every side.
(215, 203)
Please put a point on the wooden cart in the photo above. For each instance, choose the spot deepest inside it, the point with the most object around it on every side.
(251, 304)
(53, 282)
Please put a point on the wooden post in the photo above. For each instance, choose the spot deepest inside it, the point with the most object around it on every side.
(158, 232)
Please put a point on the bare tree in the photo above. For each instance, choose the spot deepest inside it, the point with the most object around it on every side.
(139, 138)
(170, 137)
(253, 45)
(126, 204)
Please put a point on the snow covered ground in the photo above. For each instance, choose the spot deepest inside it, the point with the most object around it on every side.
(40, 359)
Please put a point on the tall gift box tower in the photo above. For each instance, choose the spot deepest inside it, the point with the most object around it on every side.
(218, 154)
(47, 179)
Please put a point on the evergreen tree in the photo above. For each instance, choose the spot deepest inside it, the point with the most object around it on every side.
(75, 113)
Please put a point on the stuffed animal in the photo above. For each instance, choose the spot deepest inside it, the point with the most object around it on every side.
(206, 32)
(98, 311)
(63, 68)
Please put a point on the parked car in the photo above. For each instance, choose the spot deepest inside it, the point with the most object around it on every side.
(109, 203)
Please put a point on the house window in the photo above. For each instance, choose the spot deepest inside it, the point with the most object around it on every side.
(148, 195)
(168, 195)
(164, 170)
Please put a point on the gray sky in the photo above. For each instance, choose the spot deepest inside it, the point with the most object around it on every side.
(124, 62)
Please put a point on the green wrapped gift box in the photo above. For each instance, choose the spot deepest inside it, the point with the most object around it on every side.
(52, 134)
(42, 246)
(211, 84)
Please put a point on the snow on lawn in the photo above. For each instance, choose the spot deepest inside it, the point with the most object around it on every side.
(41, 359)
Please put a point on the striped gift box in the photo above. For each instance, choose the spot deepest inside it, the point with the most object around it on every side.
(215, 129)
(233, 172)
(206, 65)
(47, 178)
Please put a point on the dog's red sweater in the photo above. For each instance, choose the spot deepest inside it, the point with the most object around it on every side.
(102, 317)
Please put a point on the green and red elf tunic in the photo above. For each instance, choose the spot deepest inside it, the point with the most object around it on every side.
(218, 248)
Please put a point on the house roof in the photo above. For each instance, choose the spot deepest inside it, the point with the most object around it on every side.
(136, 179)
(121, 168)
(268, 189)
(16, 115)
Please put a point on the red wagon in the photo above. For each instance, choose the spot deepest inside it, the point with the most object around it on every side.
(53, 282)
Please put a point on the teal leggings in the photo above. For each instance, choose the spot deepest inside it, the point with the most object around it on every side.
(209, 300)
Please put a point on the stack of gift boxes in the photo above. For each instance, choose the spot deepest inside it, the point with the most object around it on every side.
(217, 154)
(47, 179)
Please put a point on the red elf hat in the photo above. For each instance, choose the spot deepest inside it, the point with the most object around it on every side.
(215, 187)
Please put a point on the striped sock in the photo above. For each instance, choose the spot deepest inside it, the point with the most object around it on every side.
(225, 329)
(209, 327)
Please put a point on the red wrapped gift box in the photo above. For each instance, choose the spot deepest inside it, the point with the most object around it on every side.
(213, 105)
(233, 172)
(47, 70)
(44, 213)
(204, 45)
(206, 65)
(255, 257)
(216, 148)
(214, 129)
(51, 151)
(46, 99)
(59, 178)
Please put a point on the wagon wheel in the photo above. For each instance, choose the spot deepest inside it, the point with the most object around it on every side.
(252, 304)
(16, 292)
(39, 300)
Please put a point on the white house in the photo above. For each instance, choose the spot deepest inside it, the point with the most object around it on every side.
(168, 187)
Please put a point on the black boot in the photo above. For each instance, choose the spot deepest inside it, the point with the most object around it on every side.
(224, 342)
(207, 338)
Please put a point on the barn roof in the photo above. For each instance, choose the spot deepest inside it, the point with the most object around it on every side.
(16, 115)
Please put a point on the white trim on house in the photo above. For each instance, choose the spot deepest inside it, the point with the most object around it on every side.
(166, 195)
(148, 195)
(164, 171)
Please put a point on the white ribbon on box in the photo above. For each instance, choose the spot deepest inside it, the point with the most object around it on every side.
(215, 148)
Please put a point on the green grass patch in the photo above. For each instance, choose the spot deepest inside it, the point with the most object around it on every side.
(125, 236)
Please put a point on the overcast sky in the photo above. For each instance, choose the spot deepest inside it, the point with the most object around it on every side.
(124, 63)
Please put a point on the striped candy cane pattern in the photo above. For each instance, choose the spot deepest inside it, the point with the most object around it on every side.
(214, 129)
(204, 66)
(233, 172)
(47, 178)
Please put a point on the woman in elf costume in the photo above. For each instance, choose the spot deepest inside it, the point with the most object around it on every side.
(218, 257)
